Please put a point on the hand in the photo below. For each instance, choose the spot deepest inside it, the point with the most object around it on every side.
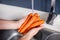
(31, 33)
(8, 24)
(20, 22)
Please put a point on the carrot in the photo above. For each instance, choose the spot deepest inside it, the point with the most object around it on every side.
(36, 14)
(28, 24)
(34, 25)
(31, 22)
(29, 16)
(38, 17)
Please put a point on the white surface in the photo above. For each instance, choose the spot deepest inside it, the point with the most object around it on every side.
(55, 28)
(57, 21)
(13, 13)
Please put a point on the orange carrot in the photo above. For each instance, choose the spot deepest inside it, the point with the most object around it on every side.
(31, 22)
(28, 24)
(28, 18)
(36, 14)
(34, 25)
(38, 17)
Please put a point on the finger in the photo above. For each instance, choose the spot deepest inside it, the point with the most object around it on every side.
(40, 27)
(36, 29)
(33, 32)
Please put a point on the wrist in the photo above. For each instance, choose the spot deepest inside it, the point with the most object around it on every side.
(27, 37)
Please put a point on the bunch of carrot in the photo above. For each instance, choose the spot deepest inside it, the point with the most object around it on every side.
(32, 21)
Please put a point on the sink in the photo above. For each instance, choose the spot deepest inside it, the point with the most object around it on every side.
(14, 35)
(15, 13)
(42, 35)
(9, 35)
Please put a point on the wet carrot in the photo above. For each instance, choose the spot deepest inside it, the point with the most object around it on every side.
(28, 24)
(38, 17)
(28, 18)
(31, 22)
(34, 25)
(36, 14)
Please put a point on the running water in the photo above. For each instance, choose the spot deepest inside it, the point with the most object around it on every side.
(32, 6)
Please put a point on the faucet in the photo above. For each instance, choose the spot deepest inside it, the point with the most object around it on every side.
(52, 14)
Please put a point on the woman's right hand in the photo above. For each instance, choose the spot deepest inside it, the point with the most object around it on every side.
(31, 33)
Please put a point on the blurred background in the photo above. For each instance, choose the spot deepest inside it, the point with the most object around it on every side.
(43, 5)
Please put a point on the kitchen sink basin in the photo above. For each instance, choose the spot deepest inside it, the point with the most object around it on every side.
(14, 35)
(43, 34)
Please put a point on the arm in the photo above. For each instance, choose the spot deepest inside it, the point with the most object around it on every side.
(6, 24)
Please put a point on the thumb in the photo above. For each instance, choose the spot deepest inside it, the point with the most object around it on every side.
(21, 21)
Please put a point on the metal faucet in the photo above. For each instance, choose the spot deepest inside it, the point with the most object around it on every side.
(52, 14)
